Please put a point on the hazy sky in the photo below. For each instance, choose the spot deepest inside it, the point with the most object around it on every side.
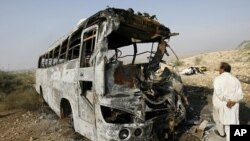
(28, 27)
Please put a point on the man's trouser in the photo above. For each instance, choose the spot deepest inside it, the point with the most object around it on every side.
(222, 129)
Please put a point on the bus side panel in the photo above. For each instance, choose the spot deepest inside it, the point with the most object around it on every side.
(59, 82)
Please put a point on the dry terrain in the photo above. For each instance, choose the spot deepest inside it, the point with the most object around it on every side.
(40, 125)
(239, 59)
(199, 87)
(22, 122)
(23, 115)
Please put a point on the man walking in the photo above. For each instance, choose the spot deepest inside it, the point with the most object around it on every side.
(226, 97)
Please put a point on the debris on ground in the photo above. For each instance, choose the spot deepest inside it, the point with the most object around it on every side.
(193, 70)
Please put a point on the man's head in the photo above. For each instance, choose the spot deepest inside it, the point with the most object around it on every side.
(224, 67)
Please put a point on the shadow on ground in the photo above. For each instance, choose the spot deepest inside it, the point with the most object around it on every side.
(6, 114)
(200, 100)
(244, 113)
(199, 109)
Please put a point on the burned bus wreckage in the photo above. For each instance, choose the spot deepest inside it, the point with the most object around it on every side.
(141, 98)
(133, 99)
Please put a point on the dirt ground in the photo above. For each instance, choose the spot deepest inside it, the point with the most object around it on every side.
(43, 124)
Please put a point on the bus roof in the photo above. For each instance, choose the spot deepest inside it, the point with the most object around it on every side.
(140, 21)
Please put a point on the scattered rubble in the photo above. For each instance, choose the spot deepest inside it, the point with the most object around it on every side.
(193, 70)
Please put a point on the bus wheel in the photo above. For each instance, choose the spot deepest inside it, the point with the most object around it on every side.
(66, 113)
(71, 121)
(43, 100)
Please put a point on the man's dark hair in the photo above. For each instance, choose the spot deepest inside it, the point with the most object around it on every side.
(225, 66)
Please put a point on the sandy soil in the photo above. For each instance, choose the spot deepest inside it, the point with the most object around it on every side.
(239, 60)
(41, 125)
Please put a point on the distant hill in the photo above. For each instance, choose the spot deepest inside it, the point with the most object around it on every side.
(244, 44)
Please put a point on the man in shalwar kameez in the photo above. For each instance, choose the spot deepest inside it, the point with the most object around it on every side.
(226, 97)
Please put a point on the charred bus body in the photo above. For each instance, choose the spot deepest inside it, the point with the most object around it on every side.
(111, 95)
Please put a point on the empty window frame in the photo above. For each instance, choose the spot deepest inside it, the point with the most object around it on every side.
(56, 55)
(46, 60)
(74, 45)
(86, 88)
(50, 58)
(89, 39)
(41, 62)
(63, 52)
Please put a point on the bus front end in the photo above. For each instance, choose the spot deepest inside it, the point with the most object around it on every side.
(143, 99)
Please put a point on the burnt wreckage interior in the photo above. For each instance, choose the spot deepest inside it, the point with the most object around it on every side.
(141, 92)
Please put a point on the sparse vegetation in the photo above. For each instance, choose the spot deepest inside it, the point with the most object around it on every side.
(26, 100)
(178, 63)
(247, 46)
(17, 91)
(243, 54)
(8, 82)
(197, 60)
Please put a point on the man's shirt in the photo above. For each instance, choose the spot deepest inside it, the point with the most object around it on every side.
(227, 87)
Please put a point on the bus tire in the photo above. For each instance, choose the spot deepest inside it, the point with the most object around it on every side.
(66, 112)
(41, 94)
